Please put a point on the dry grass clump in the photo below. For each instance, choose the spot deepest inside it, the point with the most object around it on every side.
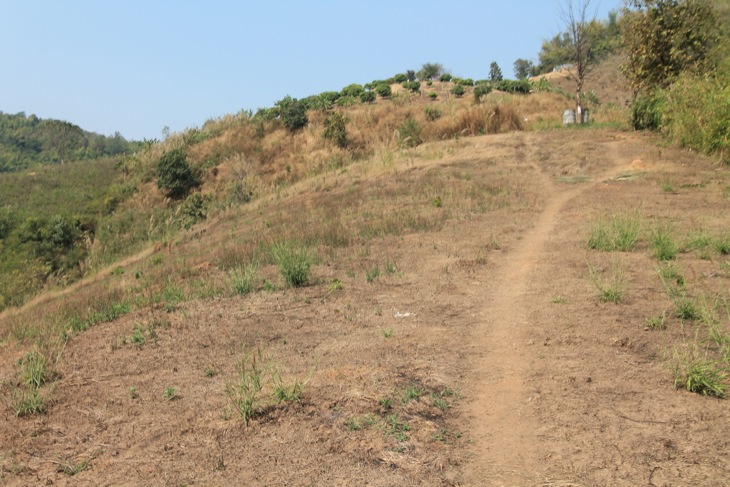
(493, 118)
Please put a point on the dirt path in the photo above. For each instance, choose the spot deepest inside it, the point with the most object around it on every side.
(506, 448)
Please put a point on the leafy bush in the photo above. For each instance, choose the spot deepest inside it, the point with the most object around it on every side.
(512, 86)
(335, 130)
(400, 78)
(293, 113)
(481, 90)
(433, 95)
(458, 90)
(174, 175)
(193, 210)
(412, 86)
(383, 90)
(367, 96)
(354, 90)
(432, 113)
(445, 78)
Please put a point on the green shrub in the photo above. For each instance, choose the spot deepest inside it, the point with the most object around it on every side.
(412, 86)
(446, 77)
(433, 95)
(193, 210)
(409, 133)
(458, 90)
(383, 90)
(335, 130)
(646, 112)
(243, 279)
(174, 175)
(432, 113)
(512, 86)
(293, 113)
(294, 262)
(367, 96)
(400, 78)
(354, 90)
(481, 90)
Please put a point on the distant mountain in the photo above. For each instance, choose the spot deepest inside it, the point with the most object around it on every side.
(26, 141)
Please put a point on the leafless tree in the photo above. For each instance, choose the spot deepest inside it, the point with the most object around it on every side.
(575, 15)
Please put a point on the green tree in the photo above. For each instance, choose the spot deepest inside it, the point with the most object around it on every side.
(523, 68)
(665, 38)
(430, 71)
(174, 175)
(293, 113)
(495, 73)
(383, 90)
(354, 90)
(411, 75)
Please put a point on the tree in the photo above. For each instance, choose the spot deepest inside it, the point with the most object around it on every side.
(410, 75)
(495, 73)
(582, 44)
(523, 68)
(63, 136)
(174, 175)
(430, 71)
(664, 38)
(335, 129)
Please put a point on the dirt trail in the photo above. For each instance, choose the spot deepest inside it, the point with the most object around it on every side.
(506, 449)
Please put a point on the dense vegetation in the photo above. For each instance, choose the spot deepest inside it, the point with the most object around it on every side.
(27, 141)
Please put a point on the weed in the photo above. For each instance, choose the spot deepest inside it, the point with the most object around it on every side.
(29, 403)
(662, 243)
(243, 279)
(670, 272)
(334, 285)
(686, 309)
(610, 288)
(372, 274)
(722, 245)
(170, 393)
(439, 402)
(389, 332)
(558, 299)
(412, 392)
(698, 373)
(270, 286)
(132, 392)
(210, 372)
(668, 187)
(621, 233)
(288, 393)
(657, 322)
(33, 369)
(390, 268)
(294, 262)
(395, 428)
(245, 393)
(385, 402)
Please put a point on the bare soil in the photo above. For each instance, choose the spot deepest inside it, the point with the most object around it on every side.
(480, 355)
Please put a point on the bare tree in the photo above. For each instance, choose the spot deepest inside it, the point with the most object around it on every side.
(578, 26)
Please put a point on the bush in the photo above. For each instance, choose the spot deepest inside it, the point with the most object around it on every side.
(445, 78)
(512, 86)
(335, 129)
(383, 90)
(400, 78)
(193, 210)
(354, 90)
(293, 113)
(432, 113)
(409, 133)
(433, 95)
(458, 90)
(480, 91)
(174, 175)
(412, 86)
(367, 96)
(646, 112)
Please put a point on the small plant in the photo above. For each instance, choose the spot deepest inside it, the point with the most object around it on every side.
(210, 371)
(559, 299)
(294, 262)
(385, 402)
(243, 279)
(390, 268)
(662, 244)
(174, 175)
(29, 403)
(458, 90)
(437, 202)
(334, 285)
(132, 392)
(621, 233)
(372, 274)
(697, 373)
(611, 287)
(412, 392)
(722, 245)
(335, 129)
(170, 393)
(670, 273)
(409, 133)
(34, 372)
(433, 95)
(288, 393)
(657, 322)
(395, 428)
(383, 90)
(439, 401)
(432, 113)
(389, 332)
(686, 309)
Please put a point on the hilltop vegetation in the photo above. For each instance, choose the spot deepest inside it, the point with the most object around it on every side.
(29, 141)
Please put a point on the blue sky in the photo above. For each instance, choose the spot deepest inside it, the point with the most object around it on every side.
(137, 66)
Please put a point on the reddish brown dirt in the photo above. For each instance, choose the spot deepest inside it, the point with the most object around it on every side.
(547, 392)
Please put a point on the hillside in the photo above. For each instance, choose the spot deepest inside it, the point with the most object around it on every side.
(464, 293)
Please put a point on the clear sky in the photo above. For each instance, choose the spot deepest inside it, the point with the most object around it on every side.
(136, 66)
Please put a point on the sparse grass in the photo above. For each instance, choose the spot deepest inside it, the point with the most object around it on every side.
(657, 322)
(620, 233)
(294, 262)
(695, 371)
(395, 428)
(611, 285)
(412, 392)
(372, 274)
(335, 285)
(559, 299)
(243, 279)
(388, 332)
(170, 393)
(671, 275)
(722, 245)
(686, 308)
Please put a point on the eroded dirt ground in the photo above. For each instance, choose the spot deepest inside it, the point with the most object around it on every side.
(480, 355)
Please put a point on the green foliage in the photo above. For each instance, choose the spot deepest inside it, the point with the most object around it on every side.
(294, 262)
(445, 78)
(481, 90)
(695, 372)
(293, 113)
(411, 75)
(354, 90)
(458, 90)
(409, 133)
(430, 71)
(412, 86)
(174, 175)
(383, 90)
(664, 38)
(523, 68)
(243, 279)
(193, 210)
(26, 141)
(611, 285)
(646, 111)
(662, 244)
(335, 128)
(400, 78)
(495, 72)
(620, 233)
(512, 86)
(432, 113)
(367, 96)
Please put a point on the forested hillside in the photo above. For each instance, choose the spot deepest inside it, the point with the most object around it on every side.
(27, 141)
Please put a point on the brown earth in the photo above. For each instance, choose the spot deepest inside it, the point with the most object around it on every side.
(480, 355)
